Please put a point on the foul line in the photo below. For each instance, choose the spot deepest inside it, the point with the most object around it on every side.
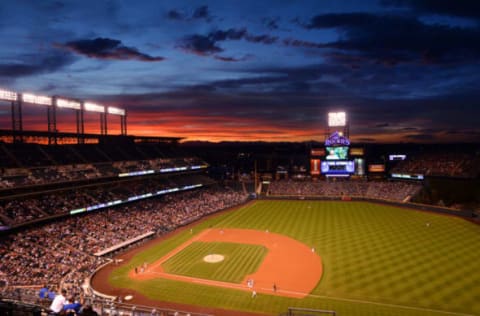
(379, 304)
(295, 293)
(174, 251)
(269, 290)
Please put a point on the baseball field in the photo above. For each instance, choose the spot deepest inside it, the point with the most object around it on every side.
(355, 258)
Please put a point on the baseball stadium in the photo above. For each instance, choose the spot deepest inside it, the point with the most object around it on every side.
(135, 225)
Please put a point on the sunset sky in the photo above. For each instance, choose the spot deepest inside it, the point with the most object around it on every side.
(403, 70)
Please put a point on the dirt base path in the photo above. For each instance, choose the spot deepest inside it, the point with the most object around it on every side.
(292, 266)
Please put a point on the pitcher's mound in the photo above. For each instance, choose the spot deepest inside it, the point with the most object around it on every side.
(214, 258)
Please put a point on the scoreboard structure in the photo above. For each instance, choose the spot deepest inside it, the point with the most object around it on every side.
(337, 162)
(336, 158)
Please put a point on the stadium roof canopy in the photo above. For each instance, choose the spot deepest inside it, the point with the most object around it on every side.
(45, 137)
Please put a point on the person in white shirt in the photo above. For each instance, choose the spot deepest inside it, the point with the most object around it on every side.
(58, 302)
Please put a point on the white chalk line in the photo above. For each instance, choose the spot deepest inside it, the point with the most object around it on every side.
(378, 303)
(296, 293)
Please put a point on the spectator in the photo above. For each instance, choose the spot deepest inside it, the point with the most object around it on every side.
(58, 302)
(45, 254)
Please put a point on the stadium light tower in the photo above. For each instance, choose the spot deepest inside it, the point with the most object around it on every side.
(337, 121)
(53, 103)
(63, 103)
(123, 118)
(16, 112)
(92, 107)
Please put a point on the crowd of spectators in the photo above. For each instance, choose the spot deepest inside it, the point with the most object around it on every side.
(62, 252)
(31, 154)
(18, 210)
(388, 190)
(445, 164)
(20, 177)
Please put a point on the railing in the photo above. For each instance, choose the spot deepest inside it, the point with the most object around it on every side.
(123, 244)
(297, 311)
(33, 305)
(103, 307)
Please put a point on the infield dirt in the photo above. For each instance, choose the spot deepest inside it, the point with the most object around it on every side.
(292, 266)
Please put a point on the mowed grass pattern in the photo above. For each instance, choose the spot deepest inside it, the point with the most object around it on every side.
(378, 260)
(240, 260)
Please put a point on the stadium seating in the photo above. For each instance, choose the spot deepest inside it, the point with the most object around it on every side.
(441, 164)
(62, 252)
(387, 190)
(16, 210)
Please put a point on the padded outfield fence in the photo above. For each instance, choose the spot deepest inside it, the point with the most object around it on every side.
(468, 214)
(295, 311)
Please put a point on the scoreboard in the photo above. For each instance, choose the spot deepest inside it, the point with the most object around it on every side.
(338, 168)
(336, 158)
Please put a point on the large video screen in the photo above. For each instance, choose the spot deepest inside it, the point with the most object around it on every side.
(337, 153)
(337, 167)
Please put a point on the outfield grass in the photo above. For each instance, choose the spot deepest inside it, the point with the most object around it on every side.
(240, 260)
(378, 260)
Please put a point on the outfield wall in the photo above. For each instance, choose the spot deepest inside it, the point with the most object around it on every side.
(424, 207)
(421, 207)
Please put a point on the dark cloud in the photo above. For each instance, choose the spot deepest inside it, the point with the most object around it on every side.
(106, 48)
(238, 34)
(200, 45)
(175, 15)
(366, 139)
(460, 8)
(393, 39)
(205, 45)
(421, 137)
(271, 23)
(54, 5)
(343, 20)
(230, 34)
(200, 13)
(264, 39)
(49, 87)
(272, 82)
(231, 59)
(299, 43)
(382, 125)
(462, 132)
(280, 80)
(34, 65)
